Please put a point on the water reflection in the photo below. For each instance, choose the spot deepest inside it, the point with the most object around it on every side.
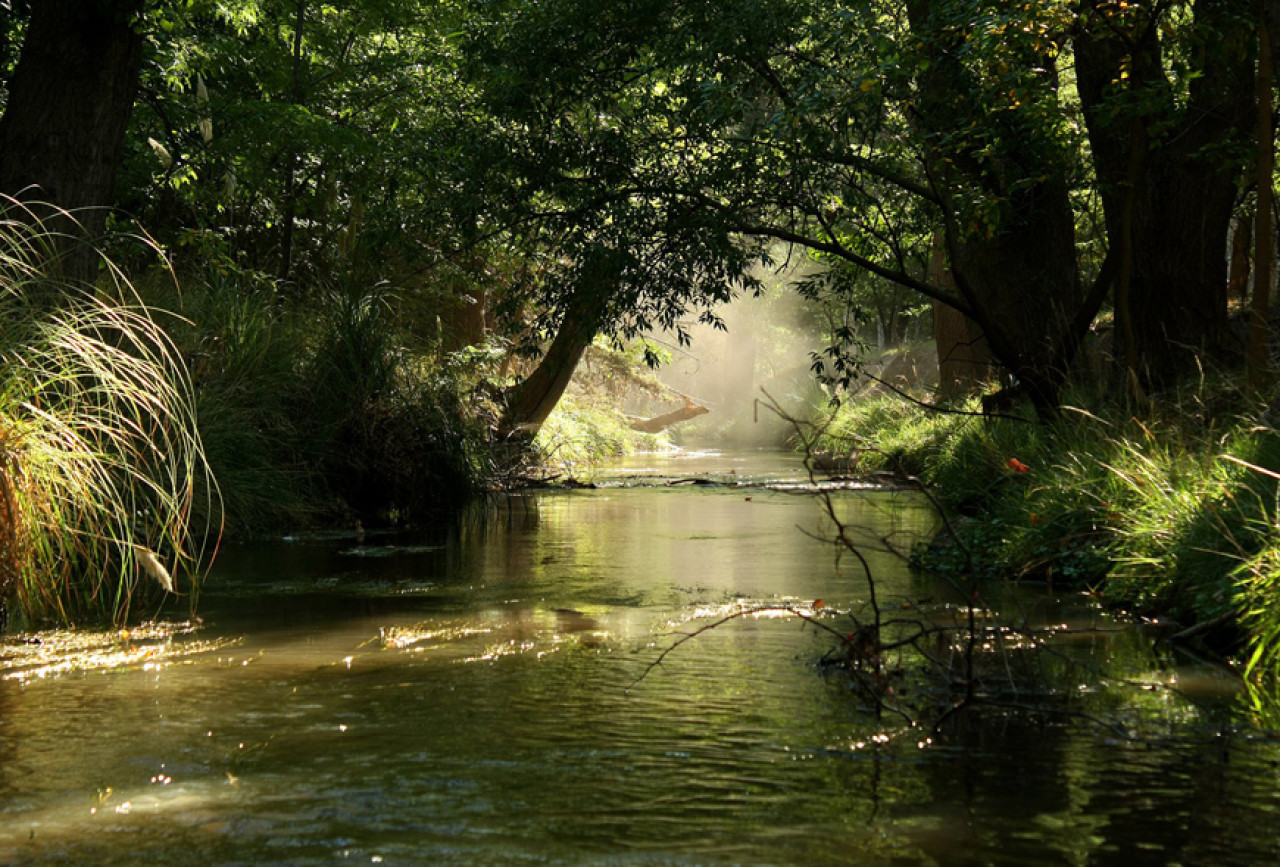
(461, 697)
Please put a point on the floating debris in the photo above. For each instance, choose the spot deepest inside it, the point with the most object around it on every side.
(388, 550)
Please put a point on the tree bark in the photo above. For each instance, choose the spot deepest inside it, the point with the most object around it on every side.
(1241, 263)
(1019, 276)
(964, 360)
(1172, 218)
(70, 98)
(532, 400)
(1257, 374)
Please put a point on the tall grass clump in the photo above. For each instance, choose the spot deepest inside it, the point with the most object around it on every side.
(319, 408)
(245, 348)
(100, 459)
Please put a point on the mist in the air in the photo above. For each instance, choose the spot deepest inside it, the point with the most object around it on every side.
(765, 352)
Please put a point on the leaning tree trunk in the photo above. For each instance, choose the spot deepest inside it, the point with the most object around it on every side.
(530, 402)
(70, 98)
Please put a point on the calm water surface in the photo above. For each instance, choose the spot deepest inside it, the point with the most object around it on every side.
(461, 697)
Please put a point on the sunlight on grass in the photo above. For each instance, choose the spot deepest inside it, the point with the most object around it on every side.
(100, 459)
(1172, 516)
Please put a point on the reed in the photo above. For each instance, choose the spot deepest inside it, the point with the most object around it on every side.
(100, 458)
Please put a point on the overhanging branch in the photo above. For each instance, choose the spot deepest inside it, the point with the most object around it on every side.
(840, 251)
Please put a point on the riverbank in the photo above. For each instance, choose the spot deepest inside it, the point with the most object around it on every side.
(1171, 516)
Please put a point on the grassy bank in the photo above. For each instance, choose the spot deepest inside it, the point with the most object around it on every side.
(583, 431)
(1171, 515)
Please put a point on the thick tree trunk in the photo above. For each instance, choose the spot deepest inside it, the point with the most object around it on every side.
(964, 360)
(1173, 215)
(70, 99)
(1024, 286)
(1018, 274)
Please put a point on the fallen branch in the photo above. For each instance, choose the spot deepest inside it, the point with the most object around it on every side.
(659, 423)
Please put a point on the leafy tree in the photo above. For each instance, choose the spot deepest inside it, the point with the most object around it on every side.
(577, 162)
(765, 125)
(858, 129)
(297, 135)
(1167, 92)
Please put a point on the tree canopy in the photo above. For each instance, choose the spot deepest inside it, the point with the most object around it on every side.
(614, 167)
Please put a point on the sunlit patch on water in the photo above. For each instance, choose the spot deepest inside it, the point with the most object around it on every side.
(505, 633)
(427, 636)
(816, 487)
(753, 609)
(153, 645)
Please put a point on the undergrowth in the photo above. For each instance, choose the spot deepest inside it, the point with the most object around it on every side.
(587, 425)
(320, 408)
(581, 432)
(1171, 515)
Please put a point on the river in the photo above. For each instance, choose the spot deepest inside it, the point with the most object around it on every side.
(484, 693)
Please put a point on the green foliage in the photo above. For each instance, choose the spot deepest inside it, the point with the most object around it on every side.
(1174, 516)
(587, 425)
(309, 151)
(581, 432)
(321, 411)
(396, 435)
(245, 349)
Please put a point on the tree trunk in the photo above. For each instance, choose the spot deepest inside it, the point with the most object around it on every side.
(1241, 261)
(1257, 373)
(70, 98)
(532, 400)
(1173, 216)
(964, 360)
(1018, 272)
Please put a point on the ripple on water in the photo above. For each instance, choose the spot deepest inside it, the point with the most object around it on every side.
(498, 718)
